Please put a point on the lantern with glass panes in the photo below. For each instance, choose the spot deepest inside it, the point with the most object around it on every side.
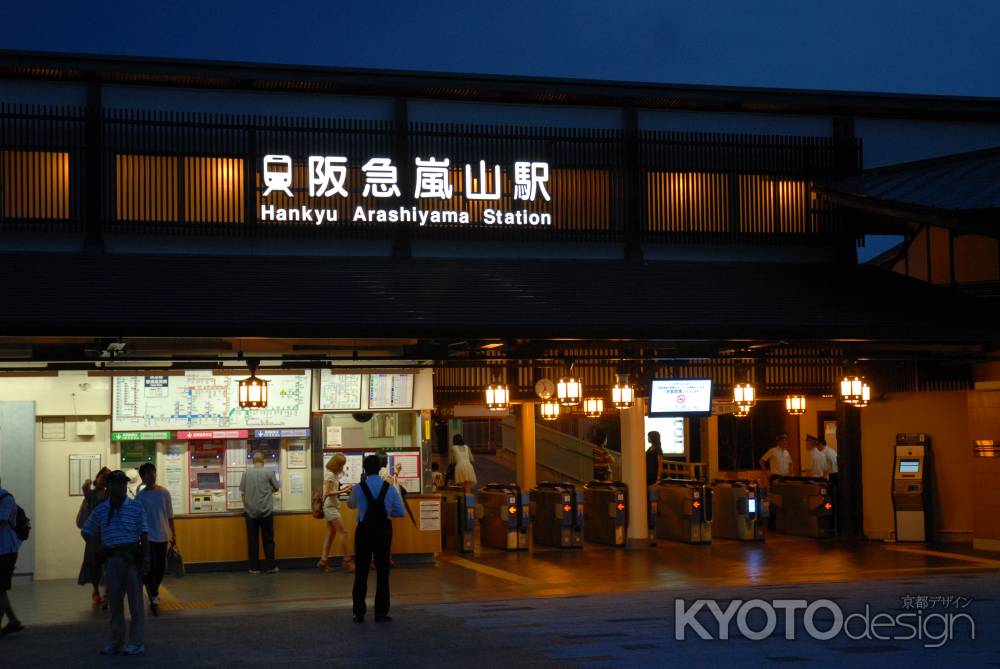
(851, 389)
(623, 394)
(253, 390)
(549, 409)
(593, 407)
(497, 397)
(795, 405)
(569, 389)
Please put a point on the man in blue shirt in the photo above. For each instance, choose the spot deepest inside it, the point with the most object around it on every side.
(376, 501)
(121, 523)
(9, 545)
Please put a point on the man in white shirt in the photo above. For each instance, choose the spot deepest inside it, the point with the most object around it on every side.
(777, 458)
(831, 456)
(819, 463)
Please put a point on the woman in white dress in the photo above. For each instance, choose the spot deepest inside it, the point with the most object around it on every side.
(331, 512)
(465, 473)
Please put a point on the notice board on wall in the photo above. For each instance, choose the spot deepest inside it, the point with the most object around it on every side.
(201, 399)
(390, 391)
(339, 392)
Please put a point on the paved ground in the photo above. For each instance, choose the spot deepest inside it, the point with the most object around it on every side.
(592, 608)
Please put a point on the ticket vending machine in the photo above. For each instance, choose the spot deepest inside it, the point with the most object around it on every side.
(910, 481)
(271, 450)
(208, 476)
(134, 454)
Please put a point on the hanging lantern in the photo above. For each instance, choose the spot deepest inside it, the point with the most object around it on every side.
(623, 396)
(253, 391)
(569, 391)
(549, 410)
(741, 410)
(866, 396)
(795, 405)
(851, 389)
(497, 397)
(744, 395)
(593, 407)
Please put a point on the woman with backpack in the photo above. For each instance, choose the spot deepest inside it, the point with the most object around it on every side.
(10, 543)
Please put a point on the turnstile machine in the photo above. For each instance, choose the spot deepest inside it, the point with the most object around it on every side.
(683, 511)
(739, 510)
(458, 520)
(803, 506)
(604, 515)
(503, 516)
(557, 515)
(910, 480)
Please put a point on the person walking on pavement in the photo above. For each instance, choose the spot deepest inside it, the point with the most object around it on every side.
(10, 544)
(332, 489)
(121, 525)
(92, 568)
(654, 459)
(257, 488)
(159, 509)
(377, 501)
(465, 473)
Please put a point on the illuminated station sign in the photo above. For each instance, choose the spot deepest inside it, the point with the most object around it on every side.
(327, 178)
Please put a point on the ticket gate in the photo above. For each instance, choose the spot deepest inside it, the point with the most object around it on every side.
(458, 520)
(683, 511)
(504, 516)
(909, 486)
(803, 506)
(604, 514)
(557, 512)
(739, 510)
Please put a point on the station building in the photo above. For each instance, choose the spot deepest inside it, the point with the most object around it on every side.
(389, 244)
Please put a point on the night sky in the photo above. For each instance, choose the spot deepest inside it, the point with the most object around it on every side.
(925, 46)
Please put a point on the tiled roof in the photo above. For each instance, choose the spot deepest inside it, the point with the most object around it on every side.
(954, 184)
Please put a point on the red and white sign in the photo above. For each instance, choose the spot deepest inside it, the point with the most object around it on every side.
(192, 435)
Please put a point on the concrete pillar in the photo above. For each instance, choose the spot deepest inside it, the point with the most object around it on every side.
(634, 473)
(526, 471)
(710, 446)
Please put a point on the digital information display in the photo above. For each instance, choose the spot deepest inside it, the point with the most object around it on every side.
(680, 397)
(751, 505)
(909, 466)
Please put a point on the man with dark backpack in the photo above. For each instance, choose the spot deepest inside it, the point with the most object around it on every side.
(377, 502)
(14, 528)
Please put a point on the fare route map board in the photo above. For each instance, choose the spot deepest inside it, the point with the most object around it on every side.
(200, 399)
(339, 391)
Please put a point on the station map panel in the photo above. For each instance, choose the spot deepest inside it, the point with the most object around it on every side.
(339, 391)
(201, 399)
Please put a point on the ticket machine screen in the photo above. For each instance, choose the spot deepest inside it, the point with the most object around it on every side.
(209, 481)
(909, 466)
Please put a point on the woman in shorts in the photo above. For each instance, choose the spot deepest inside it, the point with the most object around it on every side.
(331, 512)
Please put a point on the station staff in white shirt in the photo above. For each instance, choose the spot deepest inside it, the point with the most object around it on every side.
(819, 463)
(831, 456)
(777, 461)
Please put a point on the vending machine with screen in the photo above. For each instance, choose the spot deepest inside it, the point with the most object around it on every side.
(208, 476)
(910, 481)
(134, 454)
(271, 449)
